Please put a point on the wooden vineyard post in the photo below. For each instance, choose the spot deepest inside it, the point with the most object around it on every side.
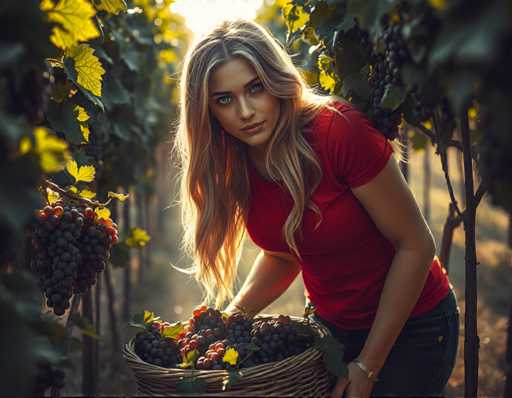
(88, 381)
(127, 274)
(471, 341)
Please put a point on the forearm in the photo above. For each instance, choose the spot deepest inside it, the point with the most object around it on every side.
(268, 279)
(402, 288)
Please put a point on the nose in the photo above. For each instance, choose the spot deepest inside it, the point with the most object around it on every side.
(245, 109)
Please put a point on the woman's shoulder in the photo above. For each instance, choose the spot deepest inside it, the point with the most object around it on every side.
(324, 116)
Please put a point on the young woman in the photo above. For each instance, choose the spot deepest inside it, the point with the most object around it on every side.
(318, 189)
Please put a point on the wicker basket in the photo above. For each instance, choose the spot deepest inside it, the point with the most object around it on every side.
(299, 375)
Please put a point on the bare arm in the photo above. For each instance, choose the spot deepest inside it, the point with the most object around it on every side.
(271, 274)
(393, 208)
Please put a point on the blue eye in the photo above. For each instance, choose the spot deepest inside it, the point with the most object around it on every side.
(221, 101)
(257, 87)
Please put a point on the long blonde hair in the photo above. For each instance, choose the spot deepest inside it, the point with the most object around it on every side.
(214, 182)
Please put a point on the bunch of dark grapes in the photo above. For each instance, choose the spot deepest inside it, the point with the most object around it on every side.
(47, 377)
(386, 73)
(154, 348)
(277, 340)
(71, 245)
(97, 238)
(238, 328)
(57, 254)
(208, 319)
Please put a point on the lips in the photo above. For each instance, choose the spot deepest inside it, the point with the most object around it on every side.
(252, 126)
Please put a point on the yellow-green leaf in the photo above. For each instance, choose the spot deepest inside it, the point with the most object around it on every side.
(84, 173)
(168, 56)
(102, 212)
(52, 196)
(87, 66)
(73, 189)
(231, 356)
(25, 146)
(427, 124)
(85, 132)
(82, 116)
(120, 196)
(173, 331)
(52, 151)
(295, 16)
(149, 316)
(85, 193)
(75, 21)
(326, 78)
(438, 4)
(138, 238)
(189, 359)
(112, 6)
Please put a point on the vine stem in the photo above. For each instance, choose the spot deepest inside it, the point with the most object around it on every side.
(444, 161)
(55, 392)
(93, 203)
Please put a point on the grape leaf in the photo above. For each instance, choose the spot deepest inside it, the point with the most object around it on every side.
(137, 320)
(82, 114)
(85, 193)
(231, 356)
(138, 238)
(112, 6)
(120, 196)
(84, 173)
(332, 354)
(191, 385)
(52, 196)
(87, 66)
(189, 360)
(173, 330)
(102, 212)
(75, 21)
(52, 150)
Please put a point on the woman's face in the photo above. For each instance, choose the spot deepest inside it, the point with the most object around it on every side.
(238, 99)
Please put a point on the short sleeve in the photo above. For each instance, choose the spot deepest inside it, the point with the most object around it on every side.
(357, 150)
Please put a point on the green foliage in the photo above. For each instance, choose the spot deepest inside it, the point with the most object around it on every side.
(456, 54)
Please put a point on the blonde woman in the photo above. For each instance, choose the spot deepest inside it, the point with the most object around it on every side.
(318, 189)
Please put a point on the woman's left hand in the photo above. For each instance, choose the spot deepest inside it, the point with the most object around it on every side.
(356, 385)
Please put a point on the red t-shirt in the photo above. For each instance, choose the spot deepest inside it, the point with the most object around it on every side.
(344, 261)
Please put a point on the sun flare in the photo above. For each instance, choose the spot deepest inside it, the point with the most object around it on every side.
(202, 15)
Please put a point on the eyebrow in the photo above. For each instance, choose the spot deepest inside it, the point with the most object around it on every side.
(218, 93)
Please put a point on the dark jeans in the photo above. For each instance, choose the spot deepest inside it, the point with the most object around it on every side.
(423, 356)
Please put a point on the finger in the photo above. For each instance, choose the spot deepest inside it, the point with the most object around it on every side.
(339, 388)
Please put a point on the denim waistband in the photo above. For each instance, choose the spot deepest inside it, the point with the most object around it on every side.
(445, 308)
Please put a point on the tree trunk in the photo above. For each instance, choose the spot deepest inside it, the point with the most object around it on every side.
(127, 282)
(460, 167)
(471, 342)
(88, 388)
(426, 182)
(450, 225)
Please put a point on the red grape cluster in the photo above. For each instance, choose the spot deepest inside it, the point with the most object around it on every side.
(212, 359)
(71, 245)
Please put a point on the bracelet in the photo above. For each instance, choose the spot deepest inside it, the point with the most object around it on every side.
(370, 373)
